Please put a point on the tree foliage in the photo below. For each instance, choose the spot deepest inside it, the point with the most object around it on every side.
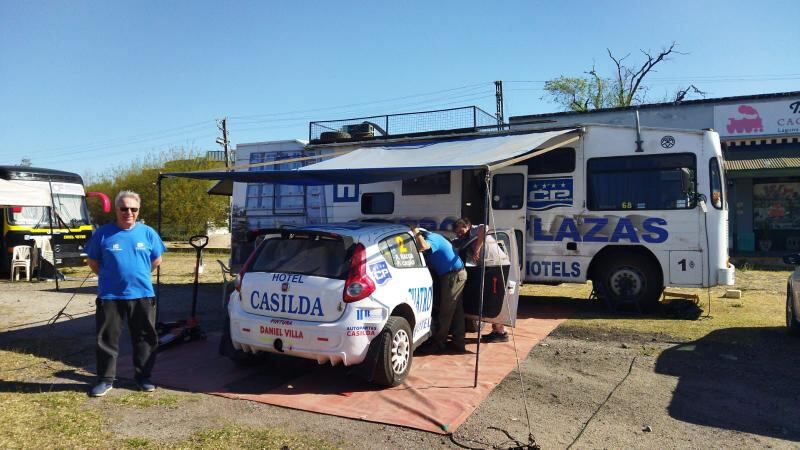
(625, 87)
(186, 209)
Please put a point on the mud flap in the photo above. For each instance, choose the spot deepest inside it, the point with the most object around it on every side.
(366, 369)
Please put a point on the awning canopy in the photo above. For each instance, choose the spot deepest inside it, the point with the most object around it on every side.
(18, 194)
(776, 160)
(397, 162)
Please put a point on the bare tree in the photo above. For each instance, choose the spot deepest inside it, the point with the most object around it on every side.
(625, 88)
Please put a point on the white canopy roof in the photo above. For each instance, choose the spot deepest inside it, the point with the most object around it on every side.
(401, 161)
(18, 194)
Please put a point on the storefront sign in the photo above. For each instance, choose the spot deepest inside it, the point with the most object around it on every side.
(758, 119)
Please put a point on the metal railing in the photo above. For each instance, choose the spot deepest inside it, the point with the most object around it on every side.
(442, 121)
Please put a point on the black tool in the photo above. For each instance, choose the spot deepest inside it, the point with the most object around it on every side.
(171, 333)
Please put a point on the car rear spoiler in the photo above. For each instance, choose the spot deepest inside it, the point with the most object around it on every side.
(287, 231)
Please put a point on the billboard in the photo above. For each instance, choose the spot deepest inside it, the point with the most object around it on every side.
(757, 119)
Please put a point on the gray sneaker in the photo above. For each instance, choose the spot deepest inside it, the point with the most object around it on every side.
(145, 385)
(100, 389)
(495, 337)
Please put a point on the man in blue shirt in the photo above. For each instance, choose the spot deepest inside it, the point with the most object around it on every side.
(124, 254)
(446, 264)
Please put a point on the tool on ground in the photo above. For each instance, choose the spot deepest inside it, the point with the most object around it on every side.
(171, 333)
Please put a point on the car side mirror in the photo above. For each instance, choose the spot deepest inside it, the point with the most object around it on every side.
(793, 260)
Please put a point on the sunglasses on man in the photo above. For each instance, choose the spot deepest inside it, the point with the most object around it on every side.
(124, 209)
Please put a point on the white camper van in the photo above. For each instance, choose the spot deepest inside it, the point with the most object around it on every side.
(632, 210)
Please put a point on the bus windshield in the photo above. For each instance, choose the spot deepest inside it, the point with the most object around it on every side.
(71, 211)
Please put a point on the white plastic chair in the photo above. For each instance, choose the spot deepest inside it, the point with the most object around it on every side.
(21, 259)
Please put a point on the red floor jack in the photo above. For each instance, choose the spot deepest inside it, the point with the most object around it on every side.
(172, 333)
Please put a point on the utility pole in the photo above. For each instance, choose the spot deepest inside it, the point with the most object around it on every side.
(498, 94)
(223, 141)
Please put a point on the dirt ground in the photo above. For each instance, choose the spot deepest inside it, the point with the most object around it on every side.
(601, 380)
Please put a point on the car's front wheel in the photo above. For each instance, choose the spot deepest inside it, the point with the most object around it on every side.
(394, 357)
(792, 324)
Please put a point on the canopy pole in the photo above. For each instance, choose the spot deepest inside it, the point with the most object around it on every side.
(52, 232)
(488, 184)
(158, 269)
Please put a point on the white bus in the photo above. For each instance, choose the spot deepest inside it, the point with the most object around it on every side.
(595, 206)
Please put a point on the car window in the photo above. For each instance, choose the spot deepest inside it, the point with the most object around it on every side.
(303, 254)
(400, 251)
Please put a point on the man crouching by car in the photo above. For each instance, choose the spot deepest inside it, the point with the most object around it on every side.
(443, 259)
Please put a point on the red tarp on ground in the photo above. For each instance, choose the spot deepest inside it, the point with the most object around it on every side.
(437, 396)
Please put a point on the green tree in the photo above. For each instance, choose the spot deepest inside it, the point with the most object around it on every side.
(625, 87)
(187, 209)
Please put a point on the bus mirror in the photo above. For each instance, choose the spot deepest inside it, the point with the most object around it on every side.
(687, 181)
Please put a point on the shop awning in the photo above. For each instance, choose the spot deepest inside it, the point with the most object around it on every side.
(18, 194)
(762, 161)
(396, 162)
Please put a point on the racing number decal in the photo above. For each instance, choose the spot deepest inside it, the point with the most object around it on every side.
(401, 244)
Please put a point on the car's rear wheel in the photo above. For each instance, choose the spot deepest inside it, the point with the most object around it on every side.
(394, 357)
(792, 324)
(226, 348)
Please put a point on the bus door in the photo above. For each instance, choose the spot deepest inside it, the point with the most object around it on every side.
(508, 204)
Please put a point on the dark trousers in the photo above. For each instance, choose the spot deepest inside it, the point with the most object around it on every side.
(451, 308)
(140, 314)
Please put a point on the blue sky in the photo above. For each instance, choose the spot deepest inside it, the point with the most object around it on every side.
(87, 86)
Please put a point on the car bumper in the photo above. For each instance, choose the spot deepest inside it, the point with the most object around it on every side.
(344, 341)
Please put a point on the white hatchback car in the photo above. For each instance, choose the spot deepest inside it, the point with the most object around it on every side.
(793, 295)
(347, 293)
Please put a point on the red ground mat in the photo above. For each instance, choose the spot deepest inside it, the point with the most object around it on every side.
(437, 396)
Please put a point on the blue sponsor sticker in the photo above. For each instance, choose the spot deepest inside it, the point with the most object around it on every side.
(380, 272)
(546, 193)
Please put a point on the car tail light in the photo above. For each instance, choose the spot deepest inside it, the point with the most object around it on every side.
(16, 209)
(358, 285)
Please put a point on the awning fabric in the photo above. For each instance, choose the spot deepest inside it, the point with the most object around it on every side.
(397, 162)
(17, 194)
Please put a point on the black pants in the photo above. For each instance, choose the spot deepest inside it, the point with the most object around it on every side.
(140, 314)
(450, 312)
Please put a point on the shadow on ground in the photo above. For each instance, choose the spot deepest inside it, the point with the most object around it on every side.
(71, 341)
(742, 379)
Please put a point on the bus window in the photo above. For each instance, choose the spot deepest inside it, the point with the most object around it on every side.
(717, 199)
(437, 183)
(640, 182)
(508, 191)
(377, 203)
(560, 160)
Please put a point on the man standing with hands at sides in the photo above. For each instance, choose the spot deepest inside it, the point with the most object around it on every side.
(446, 264)
(124, 254)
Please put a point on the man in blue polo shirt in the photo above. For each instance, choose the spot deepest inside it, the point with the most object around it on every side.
(446, 264)
(124, 254)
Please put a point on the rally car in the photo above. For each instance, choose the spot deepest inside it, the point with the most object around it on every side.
(353, 293)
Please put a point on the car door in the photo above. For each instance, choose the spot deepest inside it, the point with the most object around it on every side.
(501, 284)
(399, 271)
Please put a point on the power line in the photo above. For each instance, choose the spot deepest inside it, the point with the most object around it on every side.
(359, 104)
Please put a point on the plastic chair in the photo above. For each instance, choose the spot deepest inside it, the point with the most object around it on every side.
(21, 259)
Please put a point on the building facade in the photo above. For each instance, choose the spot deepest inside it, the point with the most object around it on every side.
(760, 136)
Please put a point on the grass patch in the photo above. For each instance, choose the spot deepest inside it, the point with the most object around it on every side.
(248, 438)
(144, 400)
(761, 306)
(50, 419)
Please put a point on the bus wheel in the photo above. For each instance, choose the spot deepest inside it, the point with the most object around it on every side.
(630, 279)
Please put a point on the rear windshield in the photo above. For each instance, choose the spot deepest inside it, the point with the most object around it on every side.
(304, 254)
